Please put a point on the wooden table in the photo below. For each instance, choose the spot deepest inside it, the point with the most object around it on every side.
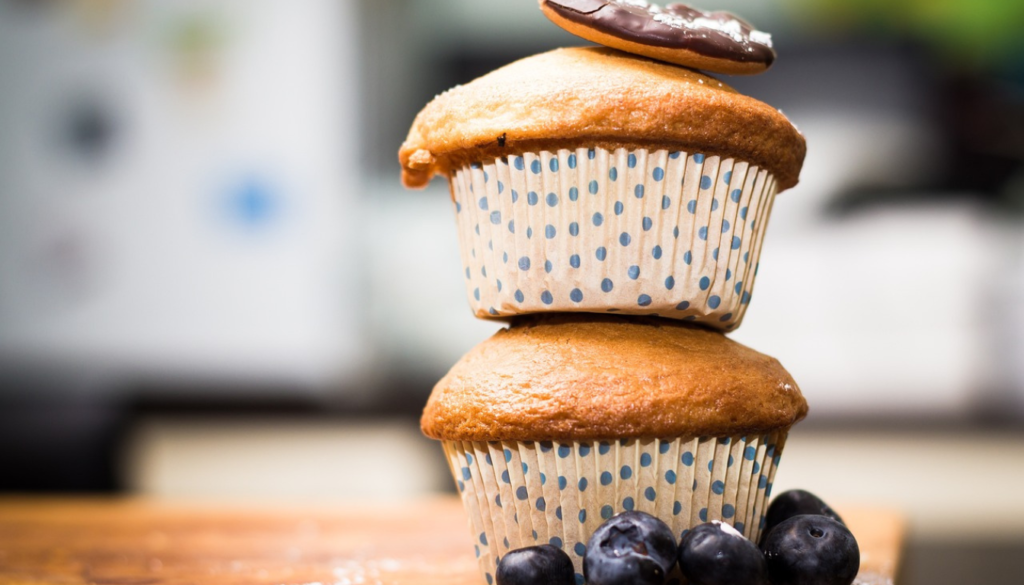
(138, 542)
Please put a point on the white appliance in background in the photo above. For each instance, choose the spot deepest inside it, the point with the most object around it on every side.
(884, 312)
(177, 181)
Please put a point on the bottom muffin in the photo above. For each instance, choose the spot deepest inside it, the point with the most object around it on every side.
(560, 422)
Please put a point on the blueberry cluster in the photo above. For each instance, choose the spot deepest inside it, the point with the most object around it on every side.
(805, 543)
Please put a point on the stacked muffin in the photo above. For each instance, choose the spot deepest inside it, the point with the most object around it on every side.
(612, 208)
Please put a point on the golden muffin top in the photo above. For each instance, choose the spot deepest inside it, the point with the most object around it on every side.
(596, 96)
(586, 377)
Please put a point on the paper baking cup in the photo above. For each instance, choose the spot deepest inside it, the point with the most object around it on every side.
(520, 494)
(639, 232)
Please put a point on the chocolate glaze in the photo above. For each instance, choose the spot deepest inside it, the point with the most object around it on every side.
(718, 35)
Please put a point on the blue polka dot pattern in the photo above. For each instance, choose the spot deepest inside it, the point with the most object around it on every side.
(601, 253)
(648, 485)
(575, 206)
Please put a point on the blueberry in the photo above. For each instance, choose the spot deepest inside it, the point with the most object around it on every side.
(632, 548)
(811, 550)
(793, 503)
(716, 554)
(536, 565)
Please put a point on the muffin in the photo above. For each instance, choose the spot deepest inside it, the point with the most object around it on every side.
(593, 180)
(558, 422)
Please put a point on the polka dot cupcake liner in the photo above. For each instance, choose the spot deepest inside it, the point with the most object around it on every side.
(640, 232)
(520, 494)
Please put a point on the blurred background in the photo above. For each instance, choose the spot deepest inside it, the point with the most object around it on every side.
(213, 285)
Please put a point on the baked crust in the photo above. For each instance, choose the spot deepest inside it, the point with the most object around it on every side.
(596, 96)
(586, 377)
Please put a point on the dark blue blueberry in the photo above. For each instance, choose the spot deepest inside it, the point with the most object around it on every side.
(794, 503)
(717, 554)
(632, 548)
(811, 549)
(536, 565)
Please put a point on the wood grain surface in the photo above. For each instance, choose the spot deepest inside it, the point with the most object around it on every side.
(138, 542)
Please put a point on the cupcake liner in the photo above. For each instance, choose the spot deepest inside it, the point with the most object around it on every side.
(520, 494)
(640, 232)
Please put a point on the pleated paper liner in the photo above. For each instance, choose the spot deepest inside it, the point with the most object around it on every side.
(520, 494)
(639, 232)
